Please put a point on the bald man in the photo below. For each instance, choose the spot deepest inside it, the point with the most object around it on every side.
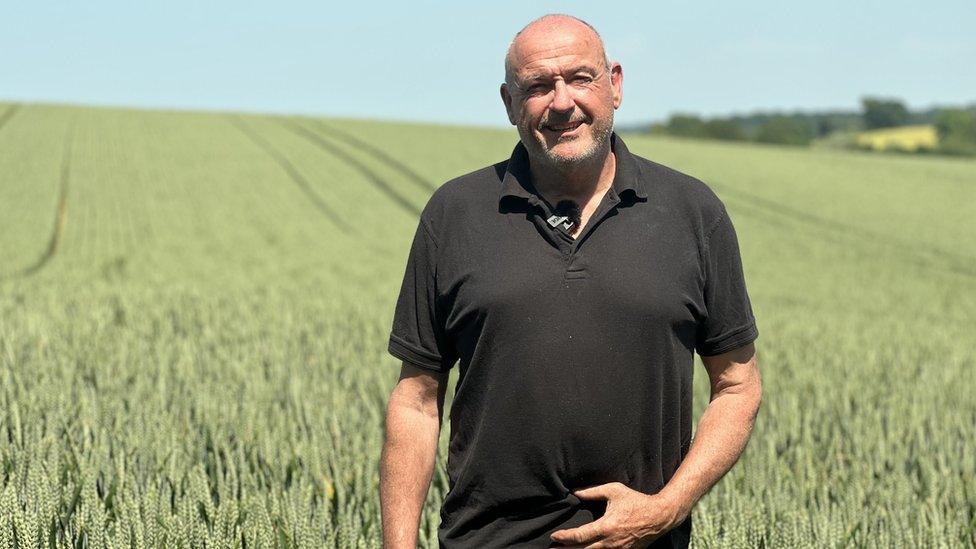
(572, 283)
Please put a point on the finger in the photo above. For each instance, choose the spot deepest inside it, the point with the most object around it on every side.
(584, 534)
(598, 545)
(606, 542)
(600, 491)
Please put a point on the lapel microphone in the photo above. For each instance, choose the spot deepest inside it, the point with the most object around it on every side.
(567, 213)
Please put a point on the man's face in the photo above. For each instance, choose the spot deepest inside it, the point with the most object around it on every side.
(562, 96)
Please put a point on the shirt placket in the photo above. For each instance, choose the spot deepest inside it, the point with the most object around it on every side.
(570, 247)
(540, 214)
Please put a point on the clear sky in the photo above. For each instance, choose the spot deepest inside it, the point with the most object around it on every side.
(443, 61)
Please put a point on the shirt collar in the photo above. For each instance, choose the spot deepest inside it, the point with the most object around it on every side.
(518, 179)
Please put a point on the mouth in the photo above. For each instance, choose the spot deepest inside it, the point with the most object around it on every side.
(567, 129)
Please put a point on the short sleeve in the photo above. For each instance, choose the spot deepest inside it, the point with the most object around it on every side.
(729, 322)
(418, 334)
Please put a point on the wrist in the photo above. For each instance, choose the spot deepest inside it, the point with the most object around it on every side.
(678, 505)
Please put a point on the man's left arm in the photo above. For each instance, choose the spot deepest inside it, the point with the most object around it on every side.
(723, 430)
(634, 519)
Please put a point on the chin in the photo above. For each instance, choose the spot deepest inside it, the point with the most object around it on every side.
(561, 154)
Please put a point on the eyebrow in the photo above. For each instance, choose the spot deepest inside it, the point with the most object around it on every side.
(540, 75)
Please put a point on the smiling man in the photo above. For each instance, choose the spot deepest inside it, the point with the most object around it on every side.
(572, 283)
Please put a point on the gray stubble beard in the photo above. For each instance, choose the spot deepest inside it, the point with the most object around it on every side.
(563, 164)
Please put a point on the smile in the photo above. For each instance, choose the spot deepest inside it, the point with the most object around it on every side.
(566, 129)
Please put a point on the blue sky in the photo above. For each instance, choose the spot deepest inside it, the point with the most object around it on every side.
(443, 62)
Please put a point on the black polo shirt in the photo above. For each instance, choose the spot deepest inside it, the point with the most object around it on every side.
(575, 355)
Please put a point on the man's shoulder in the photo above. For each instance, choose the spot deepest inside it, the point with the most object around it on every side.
(482, 181)
(460, 195)
(680, 190)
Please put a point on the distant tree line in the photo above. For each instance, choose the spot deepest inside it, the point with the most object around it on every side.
(957, 131)
(792, 129)
(956, 127)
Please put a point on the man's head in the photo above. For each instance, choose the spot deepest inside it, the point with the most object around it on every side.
(560, 91)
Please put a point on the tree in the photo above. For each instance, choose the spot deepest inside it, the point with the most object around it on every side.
(883, 113)
(658, 128)
(786, 130)
(956, 123)
(825, 126)
(686, 125)
(957, 131)
(721, 128)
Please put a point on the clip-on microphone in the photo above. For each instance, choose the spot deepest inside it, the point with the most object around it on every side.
(567, 213)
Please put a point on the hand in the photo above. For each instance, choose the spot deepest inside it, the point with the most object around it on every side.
(632, 519)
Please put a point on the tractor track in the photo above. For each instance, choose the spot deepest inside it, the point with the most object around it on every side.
(362, 168)
(781, 215)
(377, 153)
(61, 213)
(8, 114)
(770, 211)
(293, 174)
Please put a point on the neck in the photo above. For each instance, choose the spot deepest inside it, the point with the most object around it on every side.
(578, 183)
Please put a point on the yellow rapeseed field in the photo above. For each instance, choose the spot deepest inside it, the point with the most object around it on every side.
(906, 138)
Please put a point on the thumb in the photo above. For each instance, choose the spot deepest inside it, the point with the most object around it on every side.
(600, 491)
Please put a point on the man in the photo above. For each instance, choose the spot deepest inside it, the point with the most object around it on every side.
(574, 328)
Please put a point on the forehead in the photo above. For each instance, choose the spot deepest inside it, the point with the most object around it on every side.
(555, 50)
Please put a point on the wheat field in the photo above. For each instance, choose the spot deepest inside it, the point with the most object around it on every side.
(194, 309)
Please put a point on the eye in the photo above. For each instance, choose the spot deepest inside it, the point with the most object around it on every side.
(582, 79)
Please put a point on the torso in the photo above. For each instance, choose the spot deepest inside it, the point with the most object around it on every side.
(575, 358)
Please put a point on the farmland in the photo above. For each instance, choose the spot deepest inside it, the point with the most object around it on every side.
(194, 310)
(903, 138)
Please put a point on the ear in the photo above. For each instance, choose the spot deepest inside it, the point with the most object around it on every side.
(617, 83)
(507, 99)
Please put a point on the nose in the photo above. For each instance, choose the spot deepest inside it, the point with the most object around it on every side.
(562, 100)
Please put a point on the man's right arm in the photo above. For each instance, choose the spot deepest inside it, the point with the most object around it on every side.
(413, 422)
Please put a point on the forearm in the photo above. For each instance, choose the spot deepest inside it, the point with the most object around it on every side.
(406, 466)
(723, 431)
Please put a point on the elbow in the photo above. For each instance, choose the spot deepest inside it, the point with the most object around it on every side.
(757, 395)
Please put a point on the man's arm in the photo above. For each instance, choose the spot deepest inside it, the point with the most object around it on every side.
(413, 422)
(723, 430)
(634, 519)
